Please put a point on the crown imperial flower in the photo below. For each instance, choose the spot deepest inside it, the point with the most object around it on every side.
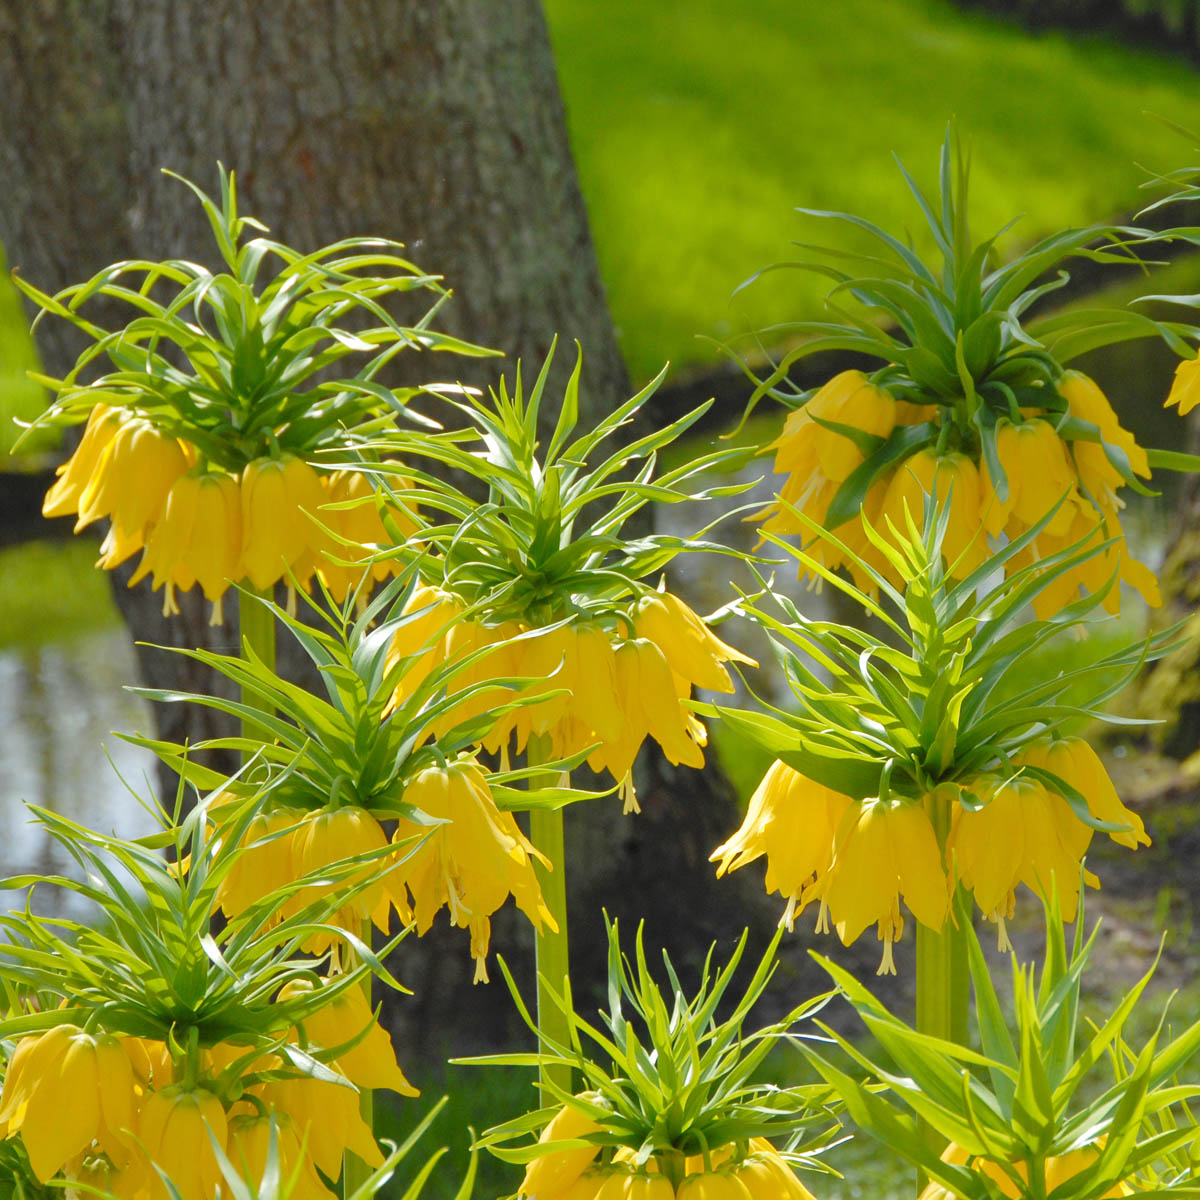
(64, 1089)
(326, 1117)
(884, 851)
(371, 1062)
(794, 822)
(330, 836)
(197, 540)
(176, 1128)
(249, 1149)
(555, 1173)
(469, 863)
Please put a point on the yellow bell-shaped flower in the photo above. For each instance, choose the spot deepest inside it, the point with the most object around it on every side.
(649, 705)
(794, 822)
(471, 862)
(767, 1176)
(1021, 834)
(428, 616)
(249, 1146)
(948, 479)
(1087, 402)
(1075, 762)
(176, 1128)
(65, 1089)
(264, 863)
(329, 836)
(1038, 476)
(885, 851)
(818, 459)
(551, 659)
(281, 502)
(551, 1174)
(77, 472)
(847, 399)
(1185, 387)
(326, 1117)
(371, 1063)
(692, 650)
(197, 539)
(130, 483)
(720, 1184)
(1059, 1168)
(647, 1185)
(592, 705)
(358, 529)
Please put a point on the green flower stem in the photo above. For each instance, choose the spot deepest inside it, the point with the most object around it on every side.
(942, 979)
(553, 960)
(355, 1172)
(257, 624)
(673, 1165)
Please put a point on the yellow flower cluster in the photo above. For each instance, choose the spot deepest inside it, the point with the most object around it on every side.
(280, 845)
(1059, 1168)
(817, 459)
(859, 859)
(1041, 470)
(470, 862)
(575, 1174)
(107, 1111)
(614, 688)
(202, 525)
(1025, 833)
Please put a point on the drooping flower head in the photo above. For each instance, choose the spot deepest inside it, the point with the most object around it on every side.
(345, 1019)
(170, 1022)
(1185, 387)
(249, 1139)
(469, 863)
(390, 742)
(232, 381)
(922, 760)
(970, 391)
(541, 572)
(65, 1089)
(177, 1128)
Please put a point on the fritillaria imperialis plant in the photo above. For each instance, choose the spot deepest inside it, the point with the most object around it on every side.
(671, 1104)
(1025, 1115)
(975, 398)
(921, 759)
(337, 766)
(153, 1040)
(542, 572)
(543, 566)
(208, 411)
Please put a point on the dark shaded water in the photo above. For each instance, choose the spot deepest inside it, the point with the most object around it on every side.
(58, 707)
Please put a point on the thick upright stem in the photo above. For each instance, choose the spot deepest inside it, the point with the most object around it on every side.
(257, 624)
(355, 1172)
(942, 980)
(553, 959)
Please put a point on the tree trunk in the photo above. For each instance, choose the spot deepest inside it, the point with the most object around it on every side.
(438, 124)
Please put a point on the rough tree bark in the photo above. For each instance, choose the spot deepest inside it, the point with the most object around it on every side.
(437, 123)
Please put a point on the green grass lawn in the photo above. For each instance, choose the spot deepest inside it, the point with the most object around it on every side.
(698, 126)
